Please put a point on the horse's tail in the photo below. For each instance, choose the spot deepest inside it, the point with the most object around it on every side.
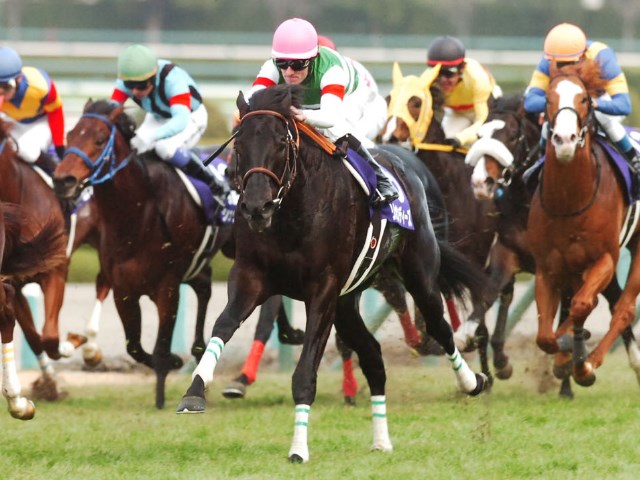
(460, 277)
(42, 253)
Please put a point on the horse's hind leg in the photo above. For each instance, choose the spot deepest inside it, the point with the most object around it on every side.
(201, 285)
(349, 382)
(351, 328)
(91, 352)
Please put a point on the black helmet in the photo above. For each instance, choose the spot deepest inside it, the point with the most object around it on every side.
(448, 51)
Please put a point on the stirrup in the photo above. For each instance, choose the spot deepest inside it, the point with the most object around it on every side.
(384, 198)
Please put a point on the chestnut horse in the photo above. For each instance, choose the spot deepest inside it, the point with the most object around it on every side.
(507, 147)
(302, 224)
(20, 259)
(153, 236)
(20, 183)
(577, 215)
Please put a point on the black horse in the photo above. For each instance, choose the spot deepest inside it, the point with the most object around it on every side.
(301, 225)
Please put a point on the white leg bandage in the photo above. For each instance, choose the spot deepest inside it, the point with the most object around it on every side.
(381, 440)
(209, 361)
(300, 426)
(466, 378)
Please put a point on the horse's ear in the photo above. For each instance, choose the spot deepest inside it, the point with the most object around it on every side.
(241, 103)
(396, 74)
(87, 105)
(116, 112)
(429, 75)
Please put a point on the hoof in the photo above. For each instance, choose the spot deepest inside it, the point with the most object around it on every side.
(191, 404)
(565, 390)
(294, 336)
(382, 447)
(295, 458)
(505, 372)
(584, 375)
(235, 390)
(565, 343)
(483, 384)
(94, 360)
(429, 346)
(27, 414)
(562, 366)
(349, 401)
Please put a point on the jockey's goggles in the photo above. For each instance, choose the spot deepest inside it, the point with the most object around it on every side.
(449, 72)
(137, 84)
(296, 65)
(8, 85)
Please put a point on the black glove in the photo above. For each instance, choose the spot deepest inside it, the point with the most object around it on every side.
(454, 142)
(60, 151)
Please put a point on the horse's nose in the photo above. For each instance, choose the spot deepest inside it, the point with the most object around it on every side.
(258, 216)
(564, 138)
(65, 187)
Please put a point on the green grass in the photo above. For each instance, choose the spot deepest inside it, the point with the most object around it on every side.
(114, 432)
(84, 266)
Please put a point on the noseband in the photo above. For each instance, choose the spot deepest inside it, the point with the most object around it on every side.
(285, 180)
(104, 167)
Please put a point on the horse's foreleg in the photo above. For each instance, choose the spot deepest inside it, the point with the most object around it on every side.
(128, 308)
(352, 330)
(501, 363)
(321, 312)
(53, 285)
(547, 301)
(240, 305)
(349, 382)
(19, 407)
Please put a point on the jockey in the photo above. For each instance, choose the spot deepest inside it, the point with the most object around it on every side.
(335, 96)
(176, 117)
(567, 44)
(29, 100)
(374, 115)
(467, 85)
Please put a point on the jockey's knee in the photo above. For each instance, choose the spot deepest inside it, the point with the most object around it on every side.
(165, 150)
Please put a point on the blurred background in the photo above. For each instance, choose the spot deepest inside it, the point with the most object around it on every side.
(222, 43)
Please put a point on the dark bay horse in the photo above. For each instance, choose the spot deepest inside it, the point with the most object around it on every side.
(21, 259)
(507, 147)
(414, 105)
(301, 226)
(153, 236)
(575, 222)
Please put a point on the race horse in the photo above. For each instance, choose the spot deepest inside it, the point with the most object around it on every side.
(507, 147)
(414, 105)
(304, 229)
(577, 223)
(21, 184)
(21, 258)
(153, 235)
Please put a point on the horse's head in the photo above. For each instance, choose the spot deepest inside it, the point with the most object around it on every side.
(410, 107)
(569, 106)
(507, 144)
(266, 152)
(96, 148)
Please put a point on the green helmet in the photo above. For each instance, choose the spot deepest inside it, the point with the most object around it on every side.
(137, 62)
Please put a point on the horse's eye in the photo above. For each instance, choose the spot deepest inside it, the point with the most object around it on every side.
(101, 141)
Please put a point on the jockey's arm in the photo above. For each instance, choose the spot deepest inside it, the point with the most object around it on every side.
(55, 116)
(180, 106)
(331, 108)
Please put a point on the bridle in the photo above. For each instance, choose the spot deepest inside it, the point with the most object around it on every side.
(104, 167)
(292, 140)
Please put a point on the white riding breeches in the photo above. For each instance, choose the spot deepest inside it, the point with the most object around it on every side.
(32, 138)
(188, 138)
(454, 122)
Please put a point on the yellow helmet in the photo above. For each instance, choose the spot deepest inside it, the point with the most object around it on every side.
(565, 42)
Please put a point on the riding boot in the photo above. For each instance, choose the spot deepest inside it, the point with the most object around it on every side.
(47, 163)
(386, 192)
(634, 169)
(195, 168)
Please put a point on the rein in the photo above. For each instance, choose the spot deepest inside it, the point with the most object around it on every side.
(284, 181)
(103, 168)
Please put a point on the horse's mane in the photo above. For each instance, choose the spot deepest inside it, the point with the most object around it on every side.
(124, 122)
(278, 98)
(587, 70)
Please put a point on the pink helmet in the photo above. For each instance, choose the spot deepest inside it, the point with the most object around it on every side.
(295, 39)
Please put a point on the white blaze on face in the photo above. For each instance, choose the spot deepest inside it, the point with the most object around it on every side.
(566, 128)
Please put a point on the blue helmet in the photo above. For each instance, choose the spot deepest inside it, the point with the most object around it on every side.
(10, 64)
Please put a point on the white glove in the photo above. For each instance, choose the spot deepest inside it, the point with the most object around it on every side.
(143, 142)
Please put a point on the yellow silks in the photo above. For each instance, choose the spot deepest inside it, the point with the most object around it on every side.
(412, 86)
